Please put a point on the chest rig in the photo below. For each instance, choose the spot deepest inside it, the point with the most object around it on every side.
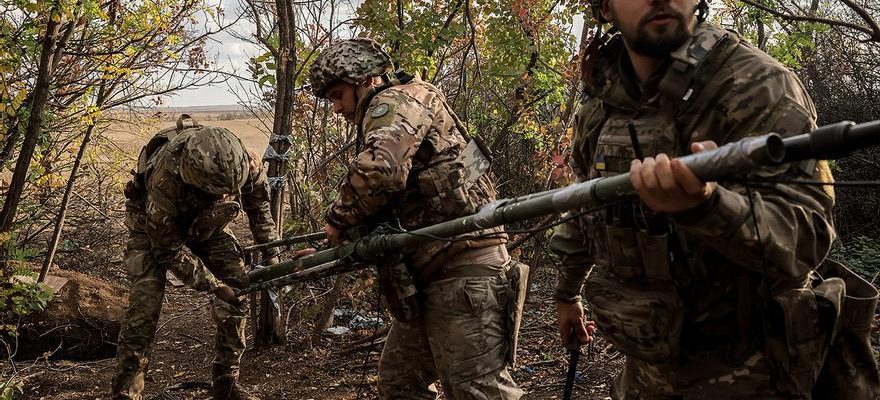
(443, 185)
(635, 290)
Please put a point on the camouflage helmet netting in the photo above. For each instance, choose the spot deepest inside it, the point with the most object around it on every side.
(213, 160)
(351, 60)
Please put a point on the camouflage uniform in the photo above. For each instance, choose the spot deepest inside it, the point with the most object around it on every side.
(682, 295)
(175, 227)
(406, 168)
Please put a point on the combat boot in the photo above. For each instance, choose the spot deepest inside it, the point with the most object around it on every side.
(225, 385)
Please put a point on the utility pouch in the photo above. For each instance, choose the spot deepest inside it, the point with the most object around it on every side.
(518, 278)
(850, 371)
(633, 299)
(799, 324)
(643, 319)
(399, 291)
(213, 219)
(443, 187)
(624, 255)
(654, 250)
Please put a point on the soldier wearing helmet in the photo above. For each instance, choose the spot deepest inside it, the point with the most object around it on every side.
(697, 282)
(189, 184)
(454, 321)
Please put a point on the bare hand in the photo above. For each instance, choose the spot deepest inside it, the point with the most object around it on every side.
(304, 252)
(334, 234)
(573, 328)
(226, 294)
(666, 185)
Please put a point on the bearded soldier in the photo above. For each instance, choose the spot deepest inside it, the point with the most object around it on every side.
(705, 286)
(190, 183)
(456, 318)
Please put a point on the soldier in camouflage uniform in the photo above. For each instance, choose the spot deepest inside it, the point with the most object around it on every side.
(191, 182)
(408, 168)
(699, 283)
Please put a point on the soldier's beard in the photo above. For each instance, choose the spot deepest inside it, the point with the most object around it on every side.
(661, 40)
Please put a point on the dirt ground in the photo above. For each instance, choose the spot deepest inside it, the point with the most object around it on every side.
(307, 367)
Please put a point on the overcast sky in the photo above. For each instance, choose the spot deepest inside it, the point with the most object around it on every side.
(229, 53)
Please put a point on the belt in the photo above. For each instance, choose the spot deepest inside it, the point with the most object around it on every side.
(483, 262)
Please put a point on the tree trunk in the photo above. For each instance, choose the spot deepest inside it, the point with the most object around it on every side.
(325, 318)
(65, 200)
(34, 124)
(12, 135)
(270, 330)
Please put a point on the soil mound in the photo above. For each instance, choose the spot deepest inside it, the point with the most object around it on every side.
(80, 323)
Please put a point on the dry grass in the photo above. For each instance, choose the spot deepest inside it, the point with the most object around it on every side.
(131, 132)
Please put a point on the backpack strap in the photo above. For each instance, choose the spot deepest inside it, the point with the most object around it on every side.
(180, 122)
(694, 65)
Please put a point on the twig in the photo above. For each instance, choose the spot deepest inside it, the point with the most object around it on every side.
(181, 315)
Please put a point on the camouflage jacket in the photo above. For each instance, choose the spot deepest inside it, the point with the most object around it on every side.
(169, 209)
(734, 91)
(410, 144)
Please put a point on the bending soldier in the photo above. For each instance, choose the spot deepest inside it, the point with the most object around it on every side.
(191, 182)
(455, 320)
(694, 280)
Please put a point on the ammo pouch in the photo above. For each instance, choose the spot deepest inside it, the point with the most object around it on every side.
(212, 219)
(399, 291)
(850, 370)
(798, 325)
(444, 189)
(634, 299)
(518, 278)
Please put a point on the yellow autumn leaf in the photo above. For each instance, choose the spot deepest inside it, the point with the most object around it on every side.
(19, 98)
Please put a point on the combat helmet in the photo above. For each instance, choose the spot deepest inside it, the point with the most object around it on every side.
(213, 160)
(352, 61)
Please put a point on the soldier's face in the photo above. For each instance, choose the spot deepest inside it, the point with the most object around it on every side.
(342, 95)
(652, 28)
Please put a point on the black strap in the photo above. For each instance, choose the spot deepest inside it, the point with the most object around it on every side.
(634, 138)
(573, 356)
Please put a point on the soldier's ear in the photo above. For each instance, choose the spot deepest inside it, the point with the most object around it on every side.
(606, 10)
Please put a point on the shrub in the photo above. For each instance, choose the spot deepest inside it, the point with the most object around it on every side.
(861, 254)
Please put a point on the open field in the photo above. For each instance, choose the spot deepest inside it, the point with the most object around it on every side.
(132, 132)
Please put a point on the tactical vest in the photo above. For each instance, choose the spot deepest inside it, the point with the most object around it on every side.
(446, 189)
(636, 299)
(450, 188)
(815, 337)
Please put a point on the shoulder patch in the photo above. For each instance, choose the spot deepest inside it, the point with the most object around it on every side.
(380, 110)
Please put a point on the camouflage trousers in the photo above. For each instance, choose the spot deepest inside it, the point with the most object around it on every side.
(221, 256)
(701, 376)
(462, 339)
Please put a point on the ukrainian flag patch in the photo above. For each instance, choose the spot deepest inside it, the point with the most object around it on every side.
(600, 162)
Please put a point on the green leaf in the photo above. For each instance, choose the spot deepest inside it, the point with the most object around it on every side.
(270, 79)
